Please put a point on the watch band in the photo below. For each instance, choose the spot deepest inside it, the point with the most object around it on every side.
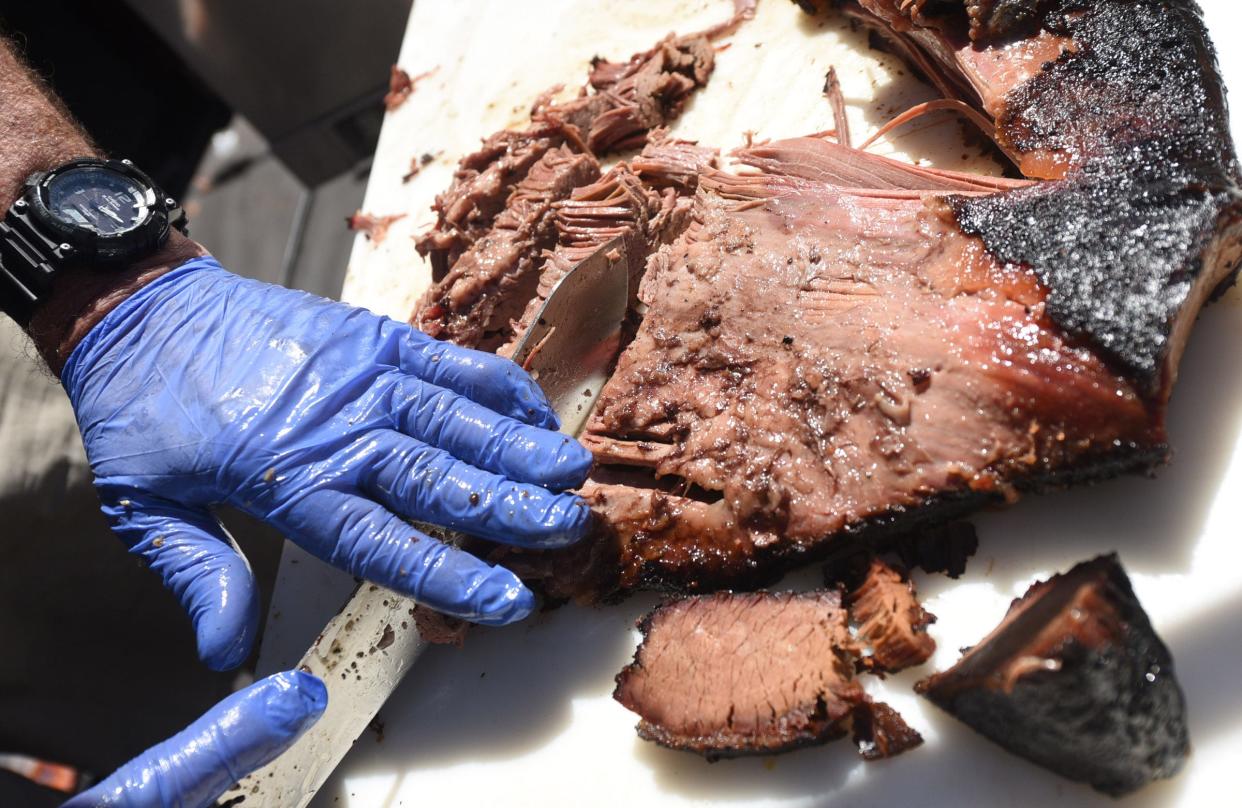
(26, 263)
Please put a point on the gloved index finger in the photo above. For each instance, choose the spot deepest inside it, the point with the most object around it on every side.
(490, 380)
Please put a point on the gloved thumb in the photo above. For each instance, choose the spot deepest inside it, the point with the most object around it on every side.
(242, 733)
(197, 559)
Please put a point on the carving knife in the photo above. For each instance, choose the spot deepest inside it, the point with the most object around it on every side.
(363, 652)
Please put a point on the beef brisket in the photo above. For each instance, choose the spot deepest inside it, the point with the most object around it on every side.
(842, 343)
(1076, 680)
(835, 345)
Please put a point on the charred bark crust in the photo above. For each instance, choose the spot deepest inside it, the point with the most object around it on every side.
(1136, 114)
(770, 564)
(1076, 680)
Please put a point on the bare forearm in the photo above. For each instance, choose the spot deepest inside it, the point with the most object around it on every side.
(37, 133)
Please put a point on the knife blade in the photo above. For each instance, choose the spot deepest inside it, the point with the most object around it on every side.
(367, 648)
(576, 336)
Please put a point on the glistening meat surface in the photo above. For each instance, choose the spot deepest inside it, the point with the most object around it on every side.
(841, 343)
(814, 358)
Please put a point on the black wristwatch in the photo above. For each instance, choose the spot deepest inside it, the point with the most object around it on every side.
(102, 214)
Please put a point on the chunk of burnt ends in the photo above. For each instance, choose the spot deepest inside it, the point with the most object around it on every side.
(1076, 680)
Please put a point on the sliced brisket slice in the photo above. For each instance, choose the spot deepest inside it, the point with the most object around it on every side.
(890, 620)
(1076, 680)
(728, 674)
(725, 675)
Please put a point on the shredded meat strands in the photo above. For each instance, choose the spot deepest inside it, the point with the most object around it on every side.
(832, 91)
(919, 110)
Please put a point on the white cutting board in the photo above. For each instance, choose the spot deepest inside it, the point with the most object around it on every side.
(524, 715)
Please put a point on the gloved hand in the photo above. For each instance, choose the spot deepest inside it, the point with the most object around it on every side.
(329, 423)
(243, 733)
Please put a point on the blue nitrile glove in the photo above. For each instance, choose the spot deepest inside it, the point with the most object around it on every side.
(242, 733)
(327, 422)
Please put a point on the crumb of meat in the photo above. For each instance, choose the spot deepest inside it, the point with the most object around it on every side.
(416, 165)
(375, 228)
(401, 85)
(880, 732)
(438, 628)
(761, 673)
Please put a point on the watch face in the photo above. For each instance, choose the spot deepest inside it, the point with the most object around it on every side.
(98, 199)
